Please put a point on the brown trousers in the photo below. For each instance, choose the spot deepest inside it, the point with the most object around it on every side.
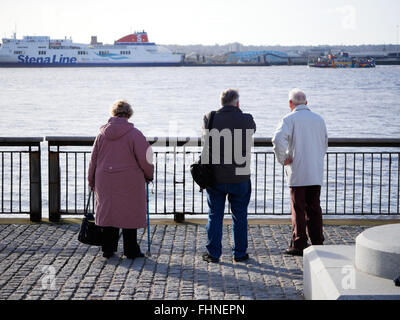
(306, 216)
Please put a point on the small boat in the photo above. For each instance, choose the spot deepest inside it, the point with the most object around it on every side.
(342, 60)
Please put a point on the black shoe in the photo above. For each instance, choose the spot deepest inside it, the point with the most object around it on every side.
(294, 251)
(136, 255)
(244, 258)
(208, 258)
(397, 282)
(108, 254)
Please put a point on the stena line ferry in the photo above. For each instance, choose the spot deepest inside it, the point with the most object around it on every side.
(41, 51)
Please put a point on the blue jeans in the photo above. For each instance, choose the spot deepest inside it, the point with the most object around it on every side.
(239, 198)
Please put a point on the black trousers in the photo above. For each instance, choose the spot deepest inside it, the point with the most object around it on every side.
(110, 237)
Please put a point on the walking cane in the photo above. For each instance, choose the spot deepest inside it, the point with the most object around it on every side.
(148, 253)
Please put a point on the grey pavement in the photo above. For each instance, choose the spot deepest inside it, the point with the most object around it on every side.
(46, 261)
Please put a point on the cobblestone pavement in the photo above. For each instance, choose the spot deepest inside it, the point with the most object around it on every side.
(31, 255)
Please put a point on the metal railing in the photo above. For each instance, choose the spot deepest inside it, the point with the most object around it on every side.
(21, 177)
(362, 182)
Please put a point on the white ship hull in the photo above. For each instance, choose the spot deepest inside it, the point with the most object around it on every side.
(43, 52)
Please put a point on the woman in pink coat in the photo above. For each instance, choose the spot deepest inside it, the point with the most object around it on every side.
(120, 166)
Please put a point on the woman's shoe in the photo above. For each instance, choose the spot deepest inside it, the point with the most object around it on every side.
(136, 255)
(108, 254)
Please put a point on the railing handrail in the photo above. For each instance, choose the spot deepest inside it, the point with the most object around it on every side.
(377, 175)
(20, 141)
(70, 140)
(196, 141)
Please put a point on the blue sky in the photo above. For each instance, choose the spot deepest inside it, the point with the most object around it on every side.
(257, 22)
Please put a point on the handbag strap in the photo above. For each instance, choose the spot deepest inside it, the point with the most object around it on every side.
(85, 212)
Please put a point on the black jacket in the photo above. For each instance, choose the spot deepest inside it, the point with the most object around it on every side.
(230, 167)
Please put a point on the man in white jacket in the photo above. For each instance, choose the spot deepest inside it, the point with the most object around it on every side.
(300, 143)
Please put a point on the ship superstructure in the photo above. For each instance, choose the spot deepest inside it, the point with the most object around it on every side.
(131, 50)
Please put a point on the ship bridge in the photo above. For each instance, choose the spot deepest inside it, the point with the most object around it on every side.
(36, 38)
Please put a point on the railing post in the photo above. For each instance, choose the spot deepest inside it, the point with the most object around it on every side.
(179, 217)
(54, 186)
(35, 186)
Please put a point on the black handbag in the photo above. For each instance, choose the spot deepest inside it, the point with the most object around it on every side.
(203, 174)
(89, 233)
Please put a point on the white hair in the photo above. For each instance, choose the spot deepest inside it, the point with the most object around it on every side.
(297, 97)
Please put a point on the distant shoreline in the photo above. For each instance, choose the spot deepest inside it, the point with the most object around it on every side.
(32, 66)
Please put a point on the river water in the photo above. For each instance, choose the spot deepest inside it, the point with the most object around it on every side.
(172, 101)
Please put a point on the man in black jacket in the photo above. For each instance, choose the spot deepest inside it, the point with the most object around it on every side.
(231, 138)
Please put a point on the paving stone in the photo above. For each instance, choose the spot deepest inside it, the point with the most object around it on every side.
(175, 270)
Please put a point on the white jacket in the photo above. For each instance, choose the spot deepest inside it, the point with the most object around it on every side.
(302, 136)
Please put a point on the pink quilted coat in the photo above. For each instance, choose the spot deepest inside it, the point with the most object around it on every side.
(120, 165)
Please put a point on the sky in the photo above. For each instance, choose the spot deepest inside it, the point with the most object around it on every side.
(208, 22)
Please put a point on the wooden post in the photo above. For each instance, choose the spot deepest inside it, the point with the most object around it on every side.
(35, 186)
(54, 186)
